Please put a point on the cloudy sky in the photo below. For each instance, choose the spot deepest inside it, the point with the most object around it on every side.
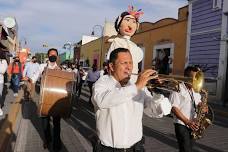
(55, 22)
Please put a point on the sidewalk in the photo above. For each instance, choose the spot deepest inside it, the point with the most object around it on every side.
(8, 122)
(26, 132)
(30, 135)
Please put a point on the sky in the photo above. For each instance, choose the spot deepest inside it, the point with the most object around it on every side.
(55, 22)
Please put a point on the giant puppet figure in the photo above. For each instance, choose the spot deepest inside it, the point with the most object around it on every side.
(126, 25)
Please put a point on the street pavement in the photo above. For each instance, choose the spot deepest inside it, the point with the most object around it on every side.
(78, 132)
(8, 121)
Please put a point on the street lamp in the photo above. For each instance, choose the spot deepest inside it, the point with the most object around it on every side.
(102, 33)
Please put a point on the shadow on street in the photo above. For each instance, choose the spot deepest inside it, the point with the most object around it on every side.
(84, 120)
(171, 140)
(8, 136)
(29, 111)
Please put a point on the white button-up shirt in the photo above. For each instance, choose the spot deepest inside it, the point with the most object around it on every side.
(3, 68)
(32, 71)
(183, 101)
(136, 52)
(119, 111)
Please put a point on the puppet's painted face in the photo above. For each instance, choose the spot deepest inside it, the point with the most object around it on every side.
(128, 26)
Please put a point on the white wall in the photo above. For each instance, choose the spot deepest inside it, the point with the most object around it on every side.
(87, 39)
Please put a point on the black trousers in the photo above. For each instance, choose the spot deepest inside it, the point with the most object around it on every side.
(184, 138)
(79, 88)
(138, 147)
(90, 85)
(56, 131)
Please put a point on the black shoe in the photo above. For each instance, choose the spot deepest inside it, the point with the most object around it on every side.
(57, 148)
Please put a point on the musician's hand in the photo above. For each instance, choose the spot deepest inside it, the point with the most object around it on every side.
(144, 77)
(192, 125)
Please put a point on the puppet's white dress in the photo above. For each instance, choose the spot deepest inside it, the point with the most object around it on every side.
(136, 52)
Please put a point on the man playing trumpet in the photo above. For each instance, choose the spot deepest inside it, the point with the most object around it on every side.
(119, 105)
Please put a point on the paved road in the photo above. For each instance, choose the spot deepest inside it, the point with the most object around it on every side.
(78, 132)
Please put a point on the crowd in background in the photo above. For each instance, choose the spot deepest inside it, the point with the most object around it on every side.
(28, 74)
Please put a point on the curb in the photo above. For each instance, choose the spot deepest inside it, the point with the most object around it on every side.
(8, 129)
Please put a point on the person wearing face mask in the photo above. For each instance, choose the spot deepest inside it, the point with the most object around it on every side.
(126, 26)
(69, 67)
(104, 71)
(74, 68)
(77, 77)
(56, 141)
(15, 74)
(63, 67)
(30, 76)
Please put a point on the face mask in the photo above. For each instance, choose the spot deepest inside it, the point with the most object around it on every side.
(52, 58)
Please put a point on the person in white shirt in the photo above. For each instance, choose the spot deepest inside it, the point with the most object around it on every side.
(126, 26)
(30, 75)
(119, 105)
(57, 145)
(104, 71)
(43, 65)
(82, 74)
(77, 76)
(184, 107)
(3, 68)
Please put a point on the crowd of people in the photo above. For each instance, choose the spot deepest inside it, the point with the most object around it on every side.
(118, 93)
(17, 73)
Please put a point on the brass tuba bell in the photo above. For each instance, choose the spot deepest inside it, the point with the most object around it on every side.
(171, 82)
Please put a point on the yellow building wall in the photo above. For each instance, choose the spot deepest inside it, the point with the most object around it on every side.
(174, 33)
(90, 50)
(162, 32)
(150, 34)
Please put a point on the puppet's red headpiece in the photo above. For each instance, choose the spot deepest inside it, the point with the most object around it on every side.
(136, 13)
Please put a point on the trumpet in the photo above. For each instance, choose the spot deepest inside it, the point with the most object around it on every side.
(171, 82)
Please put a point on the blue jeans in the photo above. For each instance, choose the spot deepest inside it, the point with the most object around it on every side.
(15, 82)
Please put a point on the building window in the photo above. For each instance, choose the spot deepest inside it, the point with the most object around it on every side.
(217, 4)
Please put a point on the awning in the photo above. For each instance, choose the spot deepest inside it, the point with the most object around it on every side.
(6, 43)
